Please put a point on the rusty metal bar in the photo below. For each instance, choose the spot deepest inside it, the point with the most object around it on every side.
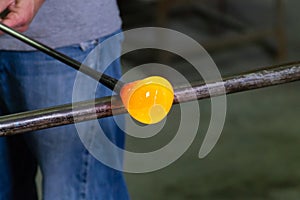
(104, 107)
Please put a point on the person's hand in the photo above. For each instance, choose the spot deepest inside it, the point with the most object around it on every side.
(5, 4)
(20, 13)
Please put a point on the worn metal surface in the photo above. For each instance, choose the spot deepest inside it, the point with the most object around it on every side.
(60, 115)
(270, 76)
(104, 107)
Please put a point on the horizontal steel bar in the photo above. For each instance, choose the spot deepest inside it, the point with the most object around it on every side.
(104, 107)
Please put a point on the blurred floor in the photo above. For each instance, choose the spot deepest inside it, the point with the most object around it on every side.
(257, 156)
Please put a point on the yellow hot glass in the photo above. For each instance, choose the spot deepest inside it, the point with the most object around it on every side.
(148, 100)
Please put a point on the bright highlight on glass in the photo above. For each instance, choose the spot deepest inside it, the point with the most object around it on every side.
(149, 100)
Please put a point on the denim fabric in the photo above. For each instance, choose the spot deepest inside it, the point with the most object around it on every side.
(33, 80)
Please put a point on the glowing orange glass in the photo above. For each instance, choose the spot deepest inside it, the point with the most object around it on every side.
(148, 100)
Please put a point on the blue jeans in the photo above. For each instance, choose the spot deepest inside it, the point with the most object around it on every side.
(33, 80)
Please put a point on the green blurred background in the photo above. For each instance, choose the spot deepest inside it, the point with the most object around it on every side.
(257, 156)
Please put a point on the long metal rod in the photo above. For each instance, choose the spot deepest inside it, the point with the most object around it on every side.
(104, 107)
(106, 80)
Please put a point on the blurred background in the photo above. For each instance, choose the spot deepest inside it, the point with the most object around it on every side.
(257, 156)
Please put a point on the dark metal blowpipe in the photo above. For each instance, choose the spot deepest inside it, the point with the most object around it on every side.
(107, 106)
(106, 80)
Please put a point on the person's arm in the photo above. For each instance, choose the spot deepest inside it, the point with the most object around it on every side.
(20, 13)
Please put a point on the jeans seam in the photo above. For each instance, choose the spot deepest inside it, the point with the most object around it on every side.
(84, 175)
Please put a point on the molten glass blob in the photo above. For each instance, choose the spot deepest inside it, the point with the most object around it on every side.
(148, 100)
